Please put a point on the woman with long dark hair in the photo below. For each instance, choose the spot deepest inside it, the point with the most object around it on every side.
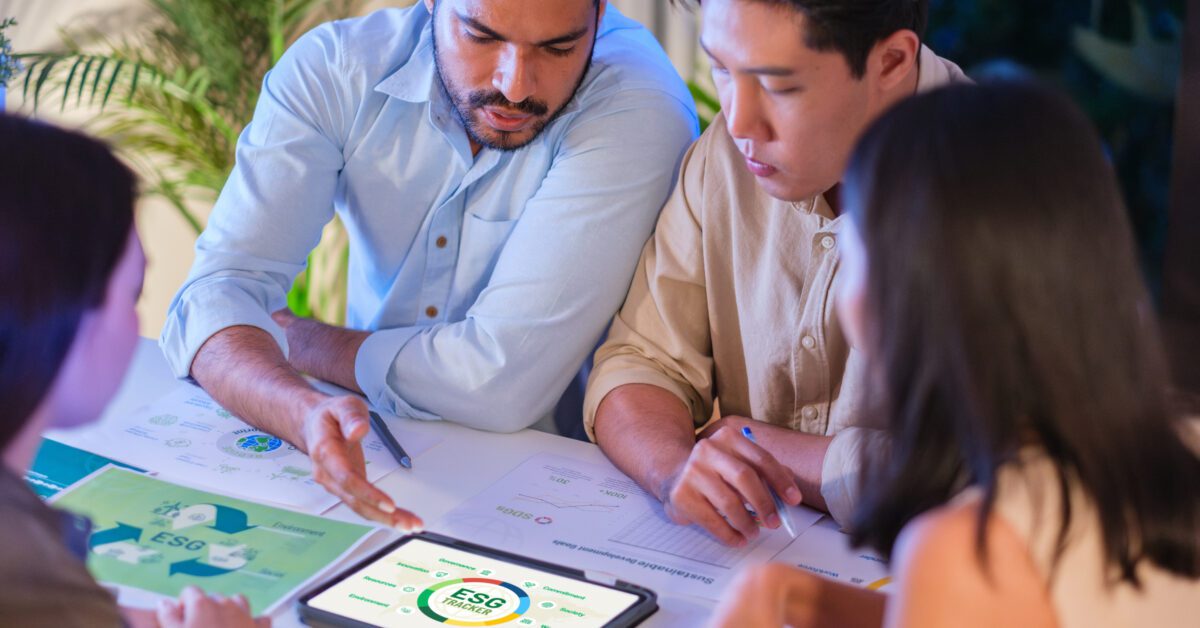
(71, 269)
(1035, 475)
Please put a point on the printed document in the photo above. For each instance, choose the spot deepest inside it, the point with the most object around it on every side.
(186, 436)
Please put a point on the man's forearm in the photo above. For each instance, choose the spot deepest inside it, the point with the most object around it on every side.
(244, 371)
(804, 454)
(324, 351)
(646, 432)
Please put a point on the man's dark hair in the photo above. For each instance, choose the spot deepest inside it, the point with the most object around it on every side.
(852, 27)
(66, 212)
(1007, 311)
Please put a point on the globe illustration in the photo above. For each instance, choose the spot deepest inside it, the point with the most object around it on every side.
(258, 443)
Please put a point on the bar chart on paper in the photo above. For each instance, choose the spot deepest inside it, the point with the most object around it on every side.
(654, 531)
(592, 516)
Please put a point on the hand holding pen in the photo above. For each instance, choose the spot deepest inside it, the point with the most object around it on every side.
(780, 507)
(723, 474)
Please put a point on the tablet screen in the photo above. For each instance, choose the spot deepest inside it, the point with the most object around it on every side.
(421, 583)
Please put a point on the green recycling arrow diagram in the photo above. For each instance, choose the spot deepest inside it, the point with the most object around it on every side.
(123, 532)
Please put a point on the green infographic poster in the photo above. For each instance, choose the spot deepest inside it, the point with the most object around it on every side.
(58, 466)
(160, 537)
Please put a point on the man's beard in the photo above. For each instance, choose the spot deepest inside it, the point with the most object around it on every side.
(463, 103)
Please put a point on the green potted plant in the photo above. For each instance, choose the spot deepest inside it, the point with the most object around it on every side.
(9, 65)
(176, 90)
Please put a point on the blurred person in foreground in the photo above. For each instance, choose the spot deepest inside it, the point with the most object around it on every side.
(72, 274)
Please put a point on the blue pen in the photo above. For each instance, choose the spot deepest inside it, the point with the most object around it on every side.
(389, 441)
(780, 507)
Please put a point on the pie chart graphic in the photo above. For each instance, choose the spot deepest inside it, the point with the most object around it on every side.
(473, 602)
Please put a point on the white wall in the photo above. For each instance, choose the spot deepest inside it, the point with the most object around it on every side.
(167, 238)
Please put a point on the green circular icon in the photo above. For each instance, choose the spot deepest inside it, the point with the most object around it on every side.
(473, 601)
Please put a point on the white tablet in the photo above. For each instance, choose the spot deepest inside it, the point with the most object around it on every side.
(432, 580)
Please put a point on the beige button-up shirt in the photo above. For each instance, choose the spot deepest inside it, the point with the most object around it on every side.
(733, 301)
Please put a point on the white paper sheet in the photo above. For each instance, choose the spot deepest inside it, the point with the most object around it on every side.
(593, 517)
(186, 436)
(825, 551)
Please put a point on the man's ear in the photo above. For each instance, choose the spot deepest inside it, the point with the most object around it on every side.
(600, 12)
(893, 58)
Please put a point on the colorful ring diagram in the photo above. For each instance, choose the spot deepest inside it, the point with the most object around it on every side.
(426, 606)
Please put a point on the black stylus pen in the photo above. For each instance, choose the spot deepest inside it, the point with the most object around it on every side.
(390, 441)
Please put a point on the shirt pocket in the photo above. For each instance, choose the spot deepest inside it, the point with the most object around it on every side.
(482, 242)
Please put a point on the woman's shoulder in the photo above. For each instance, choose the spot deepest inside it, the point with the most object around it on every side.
(943, 577)
(1030, 561)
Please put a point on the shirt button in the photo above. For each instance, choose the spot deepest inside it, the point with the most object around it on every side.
(828, 242)
(808, 341)
(809, 412)
(441, 242)
(431, 312)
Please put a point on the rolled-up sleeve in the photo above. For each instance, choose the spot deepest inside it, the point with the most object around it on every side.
(563, 271)
(273, 208)
(661, 335)
(842, 469)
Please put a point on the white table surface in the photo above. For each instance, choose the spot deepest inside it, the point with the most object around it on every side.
(465, 462)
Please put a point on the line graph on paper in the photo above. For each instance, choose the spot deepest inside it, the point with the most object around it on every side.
(654, 531)
(561, 503)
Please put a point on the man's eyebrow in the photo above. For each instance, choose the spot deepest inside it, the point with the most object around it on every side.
(479, 26)
(565, 39)
(767, 70)
(561, 39)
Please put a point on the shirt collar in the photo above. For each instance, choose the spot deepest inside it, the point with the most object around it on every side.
(414, 81)
(934, 71)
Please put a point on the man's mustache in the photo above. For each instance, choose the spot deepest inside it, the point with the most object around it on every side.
(481, 99)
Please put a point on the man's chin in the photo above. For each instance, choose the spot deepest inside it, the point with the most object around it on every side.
(496, 139)
(507, 141)
(787, 191)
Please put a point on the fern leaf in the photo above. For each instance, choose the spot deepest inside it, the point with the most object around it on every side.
(67, 85)
(112, 81)
(37, 89)
(28, 75)
(83, 80)
(96, 80)
(133, 83)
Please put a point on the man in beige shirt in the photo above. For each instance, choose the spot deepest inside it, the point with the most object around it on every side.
(730, 314)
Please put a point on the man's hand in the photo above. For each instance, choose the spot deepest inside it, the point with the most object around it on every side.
(724, 473)
(803, 453)
(333, 433)
(245, 371)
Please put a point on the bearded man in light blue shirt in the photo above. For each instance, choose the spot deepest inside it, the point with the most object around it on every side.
(498, 165)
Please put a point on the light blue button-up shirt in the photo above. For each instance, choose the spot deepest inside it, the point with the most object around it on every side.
(539, 244)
